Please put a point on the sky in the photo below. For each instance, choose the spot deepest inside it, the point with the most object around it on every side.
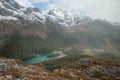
(104, 9)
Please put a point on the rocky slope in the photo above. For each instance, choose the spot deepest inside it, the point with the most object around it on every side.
(83, 69)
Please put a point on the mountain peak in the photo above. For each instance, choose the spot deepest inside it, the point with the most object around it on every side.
(13, 9)
(57, 12)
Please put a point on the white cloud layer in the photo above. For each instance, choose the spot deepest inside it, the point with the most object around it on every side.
(24, 3)
(105, 9)
(40, 1)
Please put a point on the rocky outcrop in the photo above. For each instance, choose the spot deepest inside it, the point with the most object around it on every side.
(93, 69)
(96, 69)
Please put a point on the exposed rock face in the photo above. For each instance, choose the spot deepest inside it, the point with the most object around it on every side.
(18, 70)
(85, 61)
(97, 69)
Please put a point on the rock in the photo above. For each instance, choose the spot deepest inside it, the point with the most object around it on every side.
(18, 70)
(85, 61)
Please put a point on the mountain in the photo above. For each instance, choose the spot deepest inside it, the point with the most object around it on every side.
(28, 32)
(62, 17)
(12, 10)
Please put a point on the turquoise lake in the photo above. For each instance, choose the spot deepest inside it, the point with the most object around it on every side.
(40, 58)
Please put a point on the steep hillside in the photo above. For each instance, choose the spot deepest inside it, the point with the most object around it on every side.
(96, 38)
(30, 39)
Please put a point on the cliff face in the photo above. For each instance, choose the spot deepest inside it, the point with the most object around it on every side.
(83, 69)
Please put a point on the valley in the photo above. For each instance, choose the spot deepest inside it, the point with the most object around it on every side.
(56, 44)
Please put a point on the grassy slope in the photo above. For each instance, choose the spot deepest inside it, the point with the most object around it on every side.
(32, 39)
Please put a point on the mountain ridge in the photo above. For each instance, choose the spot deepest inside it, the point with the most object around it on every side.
(15, 11)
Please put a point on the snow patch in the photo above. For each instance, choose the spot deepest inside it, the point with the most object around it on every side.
(59, 13)
(7, 18)
(40, 15)
(64, 24)
(0, 4)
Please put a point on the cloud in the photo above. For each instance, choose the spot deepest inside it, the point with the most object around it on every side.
(105, 9)
(40, 1)
(24, 3)
(28, 3)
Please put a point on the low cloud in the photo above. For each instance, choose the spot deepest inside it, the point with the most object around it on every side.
(105, 9)
(40, 1)
(24, 3)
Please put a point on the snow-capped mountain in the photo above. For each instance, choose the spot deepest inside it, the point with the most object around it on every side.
(10, 9)
(61, 16)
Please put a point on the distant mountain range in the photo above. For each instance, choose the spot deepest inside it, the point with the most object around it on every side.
(27, 32)
(11, 10)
